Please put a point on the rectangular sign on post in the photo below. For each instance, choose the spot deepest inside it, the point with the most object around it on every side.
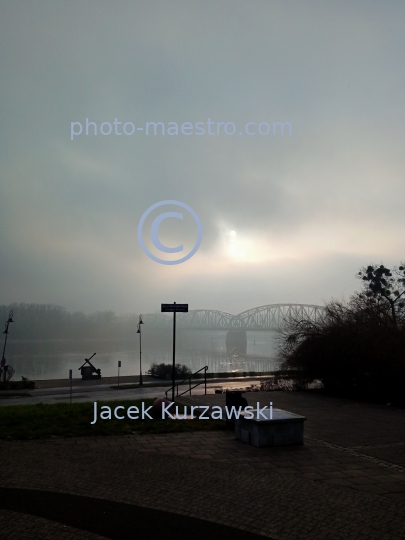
(172, 308)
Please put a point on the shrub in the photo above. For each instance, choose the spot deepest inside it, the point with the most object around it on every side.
(164, 371)
(280, 383)
(354, 349)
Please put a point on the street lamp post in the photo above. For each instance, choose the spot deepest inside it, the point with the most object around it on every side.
(3, 359)
(9, 320)
(140, 349)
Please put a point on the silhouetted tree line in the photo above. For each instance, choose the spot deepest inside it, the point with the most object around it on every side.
(48, 321)
(357, 348)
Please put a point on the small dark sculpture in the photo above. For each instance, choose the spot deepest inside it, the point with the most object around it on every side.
(89, 372)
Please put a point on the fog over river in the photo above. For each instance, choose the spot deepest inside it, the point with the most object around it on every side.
(52, 359)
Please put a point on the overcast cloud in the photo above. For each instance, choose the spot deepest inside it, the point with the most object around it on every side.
(308, 208)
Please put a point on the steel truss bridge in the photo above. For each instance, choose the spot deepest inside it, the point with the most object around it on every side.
(269, 317)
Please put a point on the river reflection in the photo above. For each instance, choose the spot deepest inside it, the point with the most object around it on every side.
(53, 359)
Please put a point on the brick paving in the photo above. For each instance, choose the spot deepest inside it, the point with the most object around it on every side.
(340, 456)
(15, 526)
(347, 480)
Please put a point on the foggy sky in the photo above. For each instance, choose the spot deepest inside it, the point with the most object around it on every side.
(308, 209)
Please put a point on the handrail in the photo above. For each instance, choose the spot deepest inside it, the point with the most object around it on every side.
(205, 368)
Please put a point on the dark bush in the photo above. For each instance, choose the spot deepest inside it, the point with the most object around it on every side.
(164, 371)
(354, 349)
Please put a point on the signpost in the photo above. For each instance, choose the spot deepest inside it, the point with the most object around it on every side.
(70, 377)
(174, 308)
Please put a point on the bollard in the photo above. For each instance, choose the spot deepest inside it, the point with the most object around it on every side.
(119, 365)
(235, 399)
(71, 380)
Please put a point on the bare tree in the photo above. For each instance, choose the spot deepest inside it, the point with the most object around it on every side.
(357, 346)
(385, 285)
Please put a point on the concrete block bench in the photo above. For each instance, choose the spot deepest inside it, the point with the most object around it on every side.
(284, 428)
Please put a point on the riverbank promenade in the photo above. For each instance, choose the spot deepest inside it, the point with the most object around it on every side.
(346, 482)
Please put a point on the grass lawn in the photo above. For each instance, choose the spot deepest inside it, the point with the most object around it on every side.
(65, 420)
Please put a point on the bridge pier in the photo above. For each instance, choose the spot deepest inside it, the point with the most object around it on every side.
(236, 342)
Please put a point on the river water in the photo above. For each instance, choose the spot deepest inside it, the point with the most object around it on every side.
(53, 359)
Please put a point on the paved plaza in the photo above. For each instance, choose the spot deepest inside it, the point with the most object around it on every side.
(346, 482)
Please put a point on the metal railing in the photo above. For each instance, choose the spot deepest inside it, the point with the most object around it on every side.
(176, 386)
